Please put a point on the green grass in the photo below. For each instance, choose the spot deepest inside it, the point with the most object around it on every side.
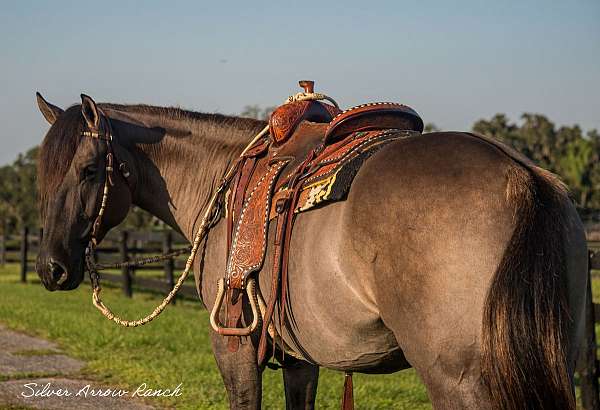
(173, 349)
(28, 375)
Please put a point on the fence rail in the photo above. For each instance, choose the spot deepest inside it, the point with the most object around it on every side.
(116, 247)
(126, 245)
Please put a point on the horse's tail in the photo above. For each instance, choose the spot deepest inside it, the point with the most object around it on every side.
(525, 315)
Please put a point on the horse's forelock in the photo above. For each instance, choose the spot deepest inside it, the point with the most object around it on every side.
(57, 152)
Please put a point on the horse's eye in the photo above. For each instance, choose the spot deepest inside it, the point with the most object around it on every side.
(89, 172)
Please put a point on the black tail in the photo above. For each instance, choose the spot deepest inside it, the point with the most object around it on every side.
(525, 315)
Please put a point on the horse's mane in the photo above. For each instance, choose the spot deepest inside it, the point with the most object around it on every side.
(176, 113)
(63, 138)
(57, 151)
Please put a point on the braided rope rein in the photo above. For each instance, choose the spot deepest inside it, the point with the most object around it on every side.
(143, 261)
(210, 217)
(105, 310)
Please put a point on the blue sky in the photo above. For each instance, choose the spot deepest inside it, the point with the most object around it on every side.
(454, 62)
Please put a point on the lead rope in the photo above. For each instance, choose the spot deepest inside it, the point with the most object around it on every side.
(143, 261)
(97, 301)
(211, 216)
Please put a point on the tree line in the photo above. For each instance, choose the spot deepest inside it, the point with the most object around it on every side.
(565, 150)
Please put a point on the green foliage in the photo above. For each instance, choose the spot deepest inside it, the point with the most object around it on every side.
(18, 192)
(256, 112)
(565, 151)
(430, 127)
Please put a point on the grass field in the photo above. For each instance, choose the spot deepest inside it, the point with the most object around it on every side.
(173, 349)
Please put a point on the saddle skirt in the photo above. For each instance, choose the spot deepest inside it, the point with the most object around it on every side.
(310, 158)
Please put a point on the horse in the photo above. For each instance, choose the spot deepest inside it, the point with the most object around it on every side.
(451, 254)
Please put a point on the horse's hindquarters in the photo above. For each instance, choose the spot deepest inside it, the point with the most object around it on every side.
(436, 215)
(431, 215)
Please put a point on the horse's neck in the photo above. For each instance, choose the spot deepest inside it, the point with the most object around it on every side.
(178, 172)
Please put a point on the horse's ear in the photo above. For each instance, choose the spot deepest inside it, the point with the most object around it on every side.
(90, 112)
(49, 111)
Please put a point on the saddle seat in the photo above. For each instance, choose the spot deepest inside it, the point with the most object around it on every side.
(310, 157)
(285, 119)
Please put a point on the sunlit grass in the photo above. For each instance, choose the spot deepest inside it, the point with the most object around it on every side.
(172, 349)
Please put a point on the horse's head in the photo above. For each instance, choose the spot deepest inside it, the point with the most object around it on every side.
(72, 173)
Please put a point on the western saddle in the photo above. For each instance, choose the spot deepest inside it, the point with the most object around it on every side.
(309, 157)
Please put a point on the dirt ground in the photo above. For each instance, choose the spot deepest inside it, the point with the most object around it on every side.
(35, 374)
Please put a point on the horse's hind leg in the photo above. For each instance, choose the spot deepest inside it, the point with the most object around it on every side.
(439, 332)
(300, 381)
(241, 374)
(452, 384)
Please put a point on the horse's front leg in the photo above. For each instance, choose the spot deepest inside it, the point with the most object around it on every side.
(240, 372)
(300, 380)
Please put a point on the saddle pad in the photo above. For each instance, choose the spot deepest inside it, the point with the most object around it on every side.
(250, 233)
(336, 167)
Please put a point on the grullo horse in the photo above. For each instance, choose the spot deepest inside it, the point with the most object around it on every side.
(451, 254)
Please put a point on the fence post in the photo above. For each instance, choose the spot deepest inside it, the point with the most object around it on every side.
(4, 240)
(588, 369)
(125, 270)
(24, 248)
(39, 244)
(169, 263)
(3, 249)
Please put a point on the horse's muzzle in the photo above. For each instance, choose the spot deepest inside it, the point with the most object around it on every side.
(54, 275)
(58, 274)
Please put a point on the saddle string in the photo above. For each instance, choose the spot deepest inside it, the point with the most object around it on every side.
(210, 218)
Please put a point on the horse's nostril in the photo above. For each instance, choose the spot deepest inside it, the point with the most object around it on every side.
(59, 275)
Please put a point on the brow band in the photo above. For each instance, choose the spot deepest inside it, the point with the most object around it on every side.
(97, 135)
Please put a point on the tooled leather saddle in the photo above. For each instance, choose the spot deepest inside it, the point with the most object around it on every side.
(310, 156)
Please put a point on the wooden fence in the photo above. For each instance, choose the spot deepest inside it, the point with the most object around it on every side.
(118, 246)
(125, 245)
(588, 365)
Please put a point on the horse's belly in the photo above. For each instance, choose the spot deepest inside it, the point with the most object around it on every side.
(334, 319)
(368, 348)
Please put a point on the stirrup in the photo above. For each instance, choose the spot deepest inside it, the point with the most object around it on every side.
(234, 331)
